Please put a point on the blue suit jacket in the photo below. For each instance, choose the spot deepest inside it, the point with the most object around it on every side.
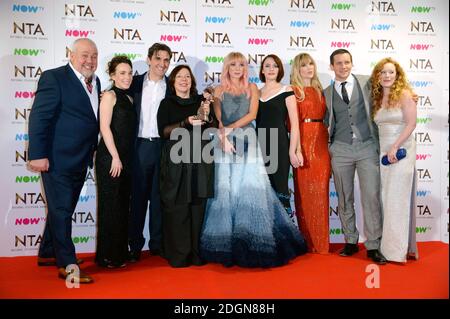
(62, 125)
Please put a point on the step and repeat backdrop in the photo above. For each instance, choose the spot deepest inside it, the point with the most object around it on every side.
(36, 35)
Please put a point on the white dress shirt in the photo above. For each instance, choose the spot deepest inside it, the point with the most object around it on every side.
(93, 97)
(153, 92)
(348, 86)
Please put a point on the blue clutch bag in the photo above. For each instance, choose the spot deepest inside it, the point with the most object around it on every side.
(401, 153)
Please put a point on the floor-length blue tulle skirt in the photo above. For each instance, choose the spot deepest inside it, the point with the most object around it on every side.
(245, 223)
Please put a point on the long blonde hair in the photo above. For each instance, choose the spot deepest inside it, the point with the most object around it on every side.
(225, 78)
(296, 79)
(400, 84)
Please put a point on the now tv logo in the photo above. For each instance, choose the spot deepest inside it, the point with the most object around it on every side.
(21, 137)
(24, 94)
(259, 41)
(420, 84)
(421, 47)
(26, 8)
(254, 79)
(27, 52)
(422, 157)
(28, 179)
(172, 37)
(381, 27)
(420, 9)
(79, 33)
(29, 221)
(214, 59)
(422, 230)
(342, 6)
(85, 198)
(423, 120)
(301, 24)
(217, 20)
(422, 193)
(341, 44)
(126, 15)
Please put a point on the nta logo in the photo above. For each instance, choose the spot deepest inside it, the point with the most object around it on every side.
(78, 10)
(421, 26)
(127, 34)
(422, 137)
(259, 20)
(303, 42)
(172, 16)
(302, 4)
(420, 64)
(27, 71)
(217, 37)
(27, 241)
(27, 28)
(29, 198)
(342, 24)
(381, 44)
(383, 7)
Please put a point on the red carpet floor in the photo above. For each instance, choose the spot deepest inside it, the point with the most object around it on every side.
(309, 276)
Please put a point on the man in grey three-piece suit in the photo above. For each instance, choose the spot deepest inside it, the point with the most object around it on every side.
(354, 147)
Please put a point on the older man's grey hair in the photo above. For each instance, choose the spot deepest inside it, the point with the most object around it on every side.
(75, 43)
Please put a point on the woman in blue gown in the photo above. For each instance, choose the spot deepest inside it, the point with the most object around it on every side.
(245, 223)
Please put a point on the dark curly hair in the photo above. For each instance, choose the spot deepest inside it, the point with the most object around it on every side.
(112, 65)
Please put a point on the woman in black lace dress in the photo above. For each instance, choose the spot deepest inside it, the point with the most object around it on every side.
(112, 166)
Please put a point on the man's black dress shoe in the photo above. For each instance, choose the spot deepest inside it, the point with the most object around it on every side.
(134, 256)
(349, 249)
(155, 252)
(376, 256)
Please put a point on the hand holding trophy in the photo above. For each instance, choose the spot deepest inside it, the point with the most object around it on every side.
(204, 109)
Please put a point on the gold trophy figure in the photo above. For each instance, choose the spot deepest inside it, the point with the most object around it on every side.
(204, 109)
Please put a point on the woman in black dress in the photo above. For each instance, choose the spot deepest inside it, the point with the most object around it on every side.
(186, 180)
(277, 109)
(112, 166)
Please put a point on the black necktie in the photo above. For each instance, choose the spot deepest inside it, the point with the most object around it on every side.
(88, 84)
(344, 92)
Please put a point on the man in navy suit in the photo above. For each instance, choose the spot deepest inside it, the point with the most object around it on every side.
(63, 131)
(148, 90)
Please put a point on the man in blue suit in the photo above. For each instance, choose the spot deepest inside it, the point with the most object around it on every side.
(63, 131)
(148, 90)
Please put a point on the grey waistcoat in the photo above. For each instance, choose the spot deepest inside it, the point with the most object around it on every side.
(351, 118)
